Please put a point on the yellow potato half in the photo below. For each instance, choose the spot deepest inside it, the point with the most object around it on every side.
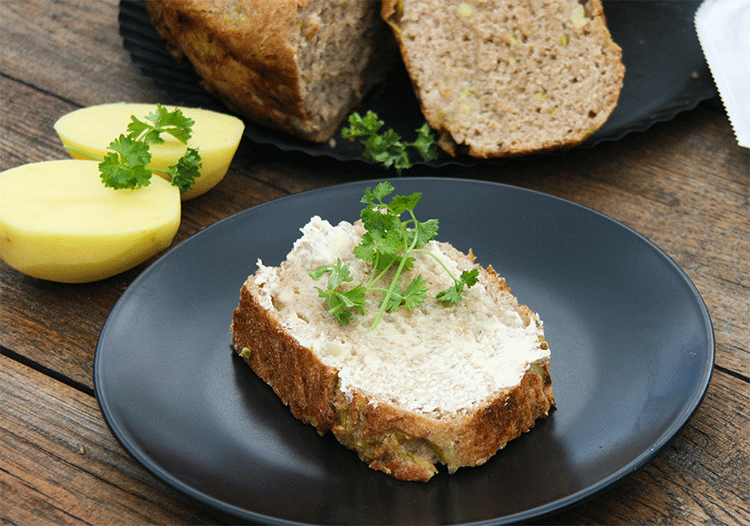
(60, 223)
(216, 135)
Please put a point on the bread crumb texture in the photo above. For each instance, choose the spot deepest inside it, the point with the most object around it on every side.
(500, 78)
(436, 384)
(296, 66)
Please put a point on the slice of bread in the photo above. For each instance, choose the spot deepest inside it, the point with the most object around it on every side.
(448, 384)
(500, 78)
(296, 66)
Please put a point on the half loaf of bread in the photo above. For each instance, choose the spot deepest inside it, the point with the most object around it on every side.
(500, 78)
(296, 66)
(448, 384)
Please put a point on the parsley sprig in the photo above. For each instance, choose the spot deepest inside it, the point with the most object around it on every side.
(389, 243)
(387, 148)
(126, 164)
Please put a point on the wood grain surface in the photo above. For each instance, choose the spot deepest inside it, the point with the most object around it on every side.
(685, 184)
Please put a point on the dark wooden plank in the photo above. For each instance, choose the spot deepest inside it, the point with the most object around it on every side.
(26, 127)
(61, 465)
(70, 49)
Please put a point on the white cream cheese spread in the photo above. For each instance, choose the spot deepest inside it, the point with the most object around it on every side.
(435, 359)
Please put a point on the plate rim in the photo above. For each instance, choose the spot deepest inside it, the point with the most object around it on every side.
(687, 409)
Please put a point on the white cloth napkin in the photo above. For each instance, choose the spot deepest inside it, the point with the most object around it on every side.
(723, 28)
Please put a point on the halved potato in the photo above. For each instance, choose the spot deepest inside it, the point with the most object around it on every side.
(60, 223)
(216, 135)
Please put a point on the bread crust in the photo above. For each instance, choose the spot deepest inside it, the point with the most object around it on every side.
(456, 130)
(297, 376)
(200, 32)
(244, 54)
(404, 444)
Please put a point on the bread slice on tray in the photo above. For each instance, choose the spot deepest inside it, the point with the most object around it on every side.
(437, 384)
(501, 78)
(296, 66)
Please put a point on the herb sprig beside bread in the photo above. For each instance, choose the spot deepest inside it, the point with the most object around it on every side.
(387, 148)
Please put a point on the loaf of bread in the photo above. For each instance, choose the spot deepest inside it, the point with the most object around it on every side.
(437, 384)
(499, 78)
(295, 66)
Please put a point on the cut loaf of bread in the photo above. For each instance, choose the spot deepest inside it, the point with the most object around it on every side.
(448, 384)
(499, 78)
(296, 66)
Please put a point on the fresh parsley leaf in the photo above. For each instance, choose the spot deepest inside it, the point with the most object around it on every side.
(340, 303)
(416, 293)
(318, 272)
(425, 232)
(162, 121)
(388, 244)
(338, 274)
(382, 190)
(142, 131)
(126, 166)
(362, 126)
(187, 169)
(387, 148)
(426, 144)
(454, 294)
(403, 203)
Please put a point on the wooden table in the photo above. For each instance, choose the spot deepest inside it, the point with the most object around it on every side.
(685, 184)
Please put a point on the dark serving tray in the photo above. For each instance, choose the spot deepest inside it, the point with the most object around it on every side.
(666, 74)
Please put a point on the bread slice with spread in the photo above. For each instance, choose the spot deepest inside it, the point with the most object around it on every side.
(295, 66)
(437, 384)
(500, 78)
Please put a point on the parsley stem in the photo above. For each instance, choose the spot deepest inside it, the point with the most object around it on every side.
(428, 253)
(337, 308)
(376, 277)
(78, 150)
(95, 158)
(407, 250)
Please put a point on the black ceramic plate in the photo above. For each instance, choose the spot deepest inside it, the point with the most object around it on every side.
(632, 347)
(666, 73)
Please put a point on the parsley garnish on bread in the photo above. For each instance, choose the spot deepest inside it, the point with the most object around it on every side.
(441, 382)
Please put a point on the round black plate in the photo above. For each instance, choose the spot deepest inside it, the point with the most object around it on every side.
(632, 354)
(666, 73)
